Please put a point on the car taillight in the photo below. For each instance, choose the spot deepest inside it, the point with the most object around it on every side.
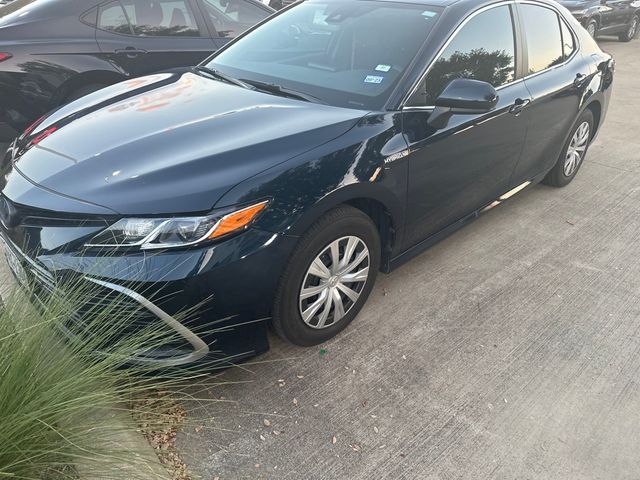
(33, 126)
(5, 56)
(43, 135)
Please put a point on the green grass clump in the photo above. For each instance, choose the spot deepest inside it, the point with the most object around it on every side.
(66, 400)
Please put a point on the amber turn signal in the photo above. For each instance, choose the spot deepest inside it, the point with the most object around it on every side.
(238, 220)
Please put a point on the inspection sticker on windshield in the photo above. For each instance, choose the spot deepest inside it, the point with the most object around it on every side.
(373, 79)
(428, 14)
(383, 68)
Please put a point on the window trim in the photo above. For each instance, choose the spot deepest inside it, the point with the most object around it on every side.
(523, 34)
(86, 12)
(573, 37)
(467, 19)
(131, 25)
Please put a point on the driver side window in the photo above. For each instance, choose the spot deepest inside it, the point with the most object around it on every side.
(484, 49)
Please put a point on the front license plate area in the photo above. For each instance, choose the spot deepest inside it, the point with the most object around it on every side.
(14, 263)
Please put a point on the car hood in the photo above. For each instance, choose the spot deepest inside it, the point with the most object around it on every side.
(170, 143)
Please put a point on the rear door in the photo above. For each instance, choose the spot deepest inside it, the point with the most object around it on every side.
(145, 36)
(227, 19)
(557, 75)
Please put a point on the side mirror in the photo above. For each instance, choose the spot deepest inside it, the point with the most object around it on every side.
(463, 96)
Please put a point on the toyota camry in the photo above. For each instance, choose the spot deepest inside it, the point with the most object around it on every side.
(269, 185)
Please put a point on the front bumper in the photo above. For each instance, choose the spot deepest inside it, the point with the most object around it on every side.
(217, 299)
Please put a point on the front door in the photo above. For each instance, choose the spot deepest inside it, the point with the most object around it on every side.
(145, 36)
(458, 169)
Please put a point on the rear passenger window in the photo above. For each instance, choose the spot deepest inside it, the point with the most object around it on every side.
(544, 41)
(568, 42)
(90, 17)
(484, 49)
(161, 18)
(149, 18)
(113, 19)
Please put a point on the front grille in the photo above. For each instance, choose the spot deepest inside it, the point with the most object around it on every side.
(97, 307)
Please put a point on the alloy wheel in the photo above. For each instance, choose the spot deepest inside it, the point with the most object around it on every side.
(334, 281)
(591, 29)
(576, 149)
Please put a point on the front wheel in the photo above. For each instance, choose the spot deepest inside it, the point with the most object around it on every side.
(632, 30)
(573, 152)
(592, 28)
(329, 277)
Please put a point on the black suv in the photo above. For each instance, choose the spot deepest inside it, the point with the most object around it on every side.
(607, 17)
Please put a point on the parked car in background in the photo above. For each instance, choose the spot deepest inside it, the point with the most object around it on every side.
(607, 17)
(55, 51)
(276, 179)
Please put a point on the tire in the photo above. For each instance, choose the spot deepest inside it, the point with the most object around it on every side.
(592, 28)
(83, 91)
(346, 227)
(564, 171)
(632, 30)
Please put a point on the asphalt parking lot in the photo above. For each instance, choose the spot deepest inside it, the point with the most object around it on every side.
(508, 351)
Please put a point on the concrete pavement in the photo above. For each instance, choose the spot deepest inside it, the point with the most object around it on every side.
(508, 351)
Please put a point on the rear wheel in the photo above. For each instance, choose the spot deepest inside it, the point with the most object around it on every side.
(632, 30)
(573, 152)
(84, 91)
(329, 277)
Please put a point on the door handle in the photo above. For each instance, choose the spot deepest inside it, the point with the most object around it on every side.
(130, 51)
(519, 105)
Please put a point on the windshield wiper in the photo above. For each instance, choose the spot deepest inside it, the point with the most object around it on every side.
(223, 76)
(282, 91)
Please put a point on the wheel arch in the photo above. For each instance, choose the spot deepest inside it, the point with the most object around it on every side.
(82, 79)
(381, 206)
(596, 109)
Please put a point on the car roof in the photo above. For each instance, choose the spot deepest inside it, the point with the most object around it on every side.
(428, 3)
(470, 4)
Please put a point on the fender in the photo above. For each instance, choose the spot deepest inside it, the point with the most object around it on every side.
(351, 194)
(349, 169)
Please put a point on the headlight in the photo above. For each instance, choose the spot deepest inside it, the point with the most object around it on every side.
(579, 13)
(155, 233)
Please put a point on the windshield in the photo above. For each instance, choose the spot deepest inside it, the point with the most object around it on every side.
(345, 53)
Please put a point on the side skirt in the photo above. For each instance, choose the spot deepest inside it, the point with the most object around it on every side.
(445, 232)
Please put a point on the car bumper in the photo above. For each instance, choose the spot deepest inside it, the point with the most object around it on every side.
(217, 299)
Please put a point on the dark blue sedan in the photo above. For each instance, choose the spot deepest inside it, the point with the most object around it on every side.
(271, 184)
